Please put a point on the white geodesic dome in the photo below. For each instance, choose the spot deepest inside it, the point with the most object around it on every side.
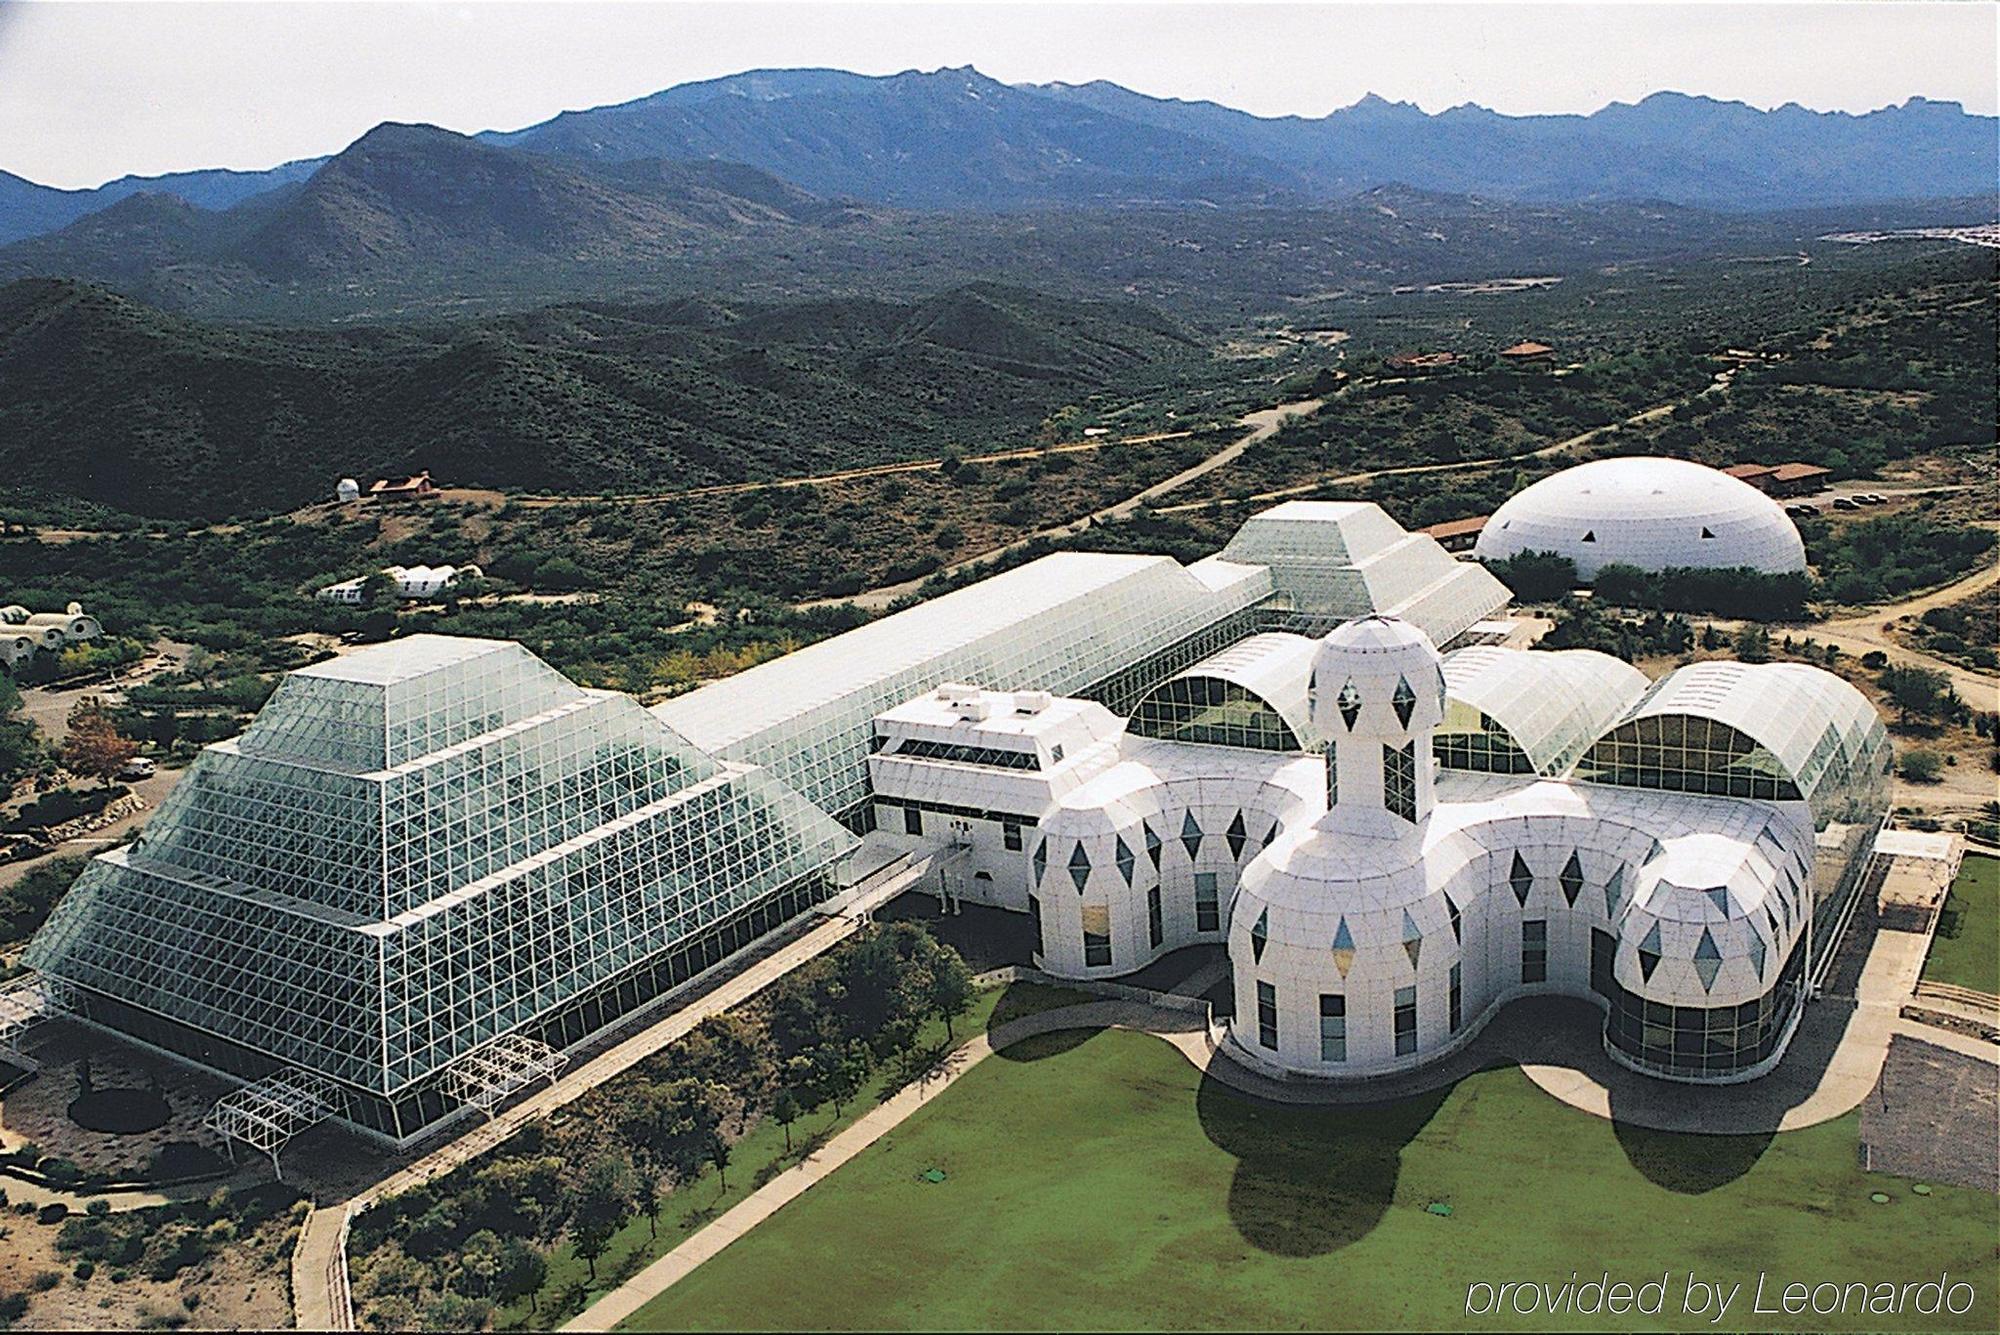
(1656, 514)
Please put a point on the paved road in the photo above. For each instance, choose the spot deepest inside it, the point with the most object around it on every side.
(1263, 425)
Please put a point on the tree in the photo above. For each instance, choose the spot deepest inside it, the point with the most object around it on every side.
(480, 1260)
(785, 1111)
(95, 748)
(947, 986)
(839, 1073)
(523, 1271)
(647, 1199)
(1917, 693)
(1922, 766)
(602, 1204)
(1753, 644)
(21, 750)
(718, 1154)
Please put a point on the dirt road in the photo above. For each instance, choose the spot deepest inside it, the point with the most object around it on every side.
(1263, 425)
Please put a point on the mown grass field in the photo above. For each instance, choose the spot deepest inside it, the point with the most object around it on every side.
(1971, 956)
(1098, 1182)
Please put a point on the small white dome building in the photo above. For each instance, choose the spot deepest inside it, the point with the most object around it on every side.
(345, 490)
(1656, 514)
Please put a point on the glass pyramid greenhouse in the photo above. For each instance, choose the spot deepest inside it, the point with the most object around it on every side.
(416, 849)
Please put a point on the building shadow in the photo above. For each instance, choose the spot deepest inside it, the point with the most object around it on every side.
(1310, 1179)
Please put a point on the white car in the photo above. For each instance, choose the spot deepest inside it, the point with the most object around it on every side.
(138, 767)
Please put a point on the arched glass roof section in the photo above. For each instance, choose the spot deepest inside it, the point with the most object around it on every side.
(1782, 731)
(1251, 695)
(1514, 711)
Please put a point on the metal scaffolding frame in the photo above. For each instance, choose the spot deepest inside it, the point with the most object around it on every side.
(268, 1113)
(484, 1077)
(25, 1003)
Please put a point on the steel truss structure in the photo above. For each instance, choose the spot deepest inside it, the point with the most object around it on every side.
(25, 1003)
(268, 1113)
(484, 1077)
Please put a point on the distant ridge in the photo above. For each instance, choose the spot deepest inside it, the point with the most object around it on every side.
(954, 139)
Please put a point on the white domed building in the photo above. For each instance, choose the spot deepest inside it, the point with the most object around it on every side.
(1393, 844)
(1656, 514)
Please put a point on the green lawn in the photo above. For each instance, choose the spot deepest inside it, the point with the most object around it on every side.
(1970, 957)
(1102, 1184)
(754, 1159)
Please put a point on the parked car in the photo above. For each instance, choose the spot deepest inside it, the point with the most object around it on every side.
(138, 767)
(1842, 503)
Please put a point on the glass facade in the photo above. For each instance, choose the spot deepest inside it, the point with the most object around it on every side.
(1212, 711)
(375, 910)
(1694, 1041)
(1514, 711)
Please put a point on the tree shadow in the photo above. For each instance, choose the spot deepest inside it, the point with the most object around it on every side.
(1040, 1047)
(1311, 1179)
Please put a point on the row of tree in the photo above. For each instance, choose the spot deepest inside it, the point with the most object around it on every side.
(445, 1255)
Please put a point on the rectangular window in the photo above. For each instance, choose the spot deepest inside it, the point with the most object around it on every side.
(1399, 780)
(1456, 1016)
(1035, 916)
(1406, 1021)
(913, 821)
(1603, 953)
(1267, 1016)
(1332, 1027)
(1535, 950)
(1096, 934)
(1207, 909)
(1155, 927)
(1010, 833)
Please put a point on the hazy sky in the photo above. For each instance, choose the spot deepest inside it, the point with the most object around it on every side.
(90, 91)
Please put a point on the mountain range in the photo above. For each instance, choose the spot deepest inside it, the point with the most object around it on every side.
(955, 140)
(153, 413)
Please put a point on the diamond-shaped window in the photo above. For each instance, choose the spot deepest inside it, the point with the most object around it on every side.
(1413, 938)
(1349, 704)
(1707, 960)
(1720, 898)
(1237, 836)
(1571, 879)
(1614, 892)
(1757, 953)
(1190, 834)
(1522, 879)
(1152, 845)
(1260, 936)
(1079, 867)
(1649, 953)
(1343, 948)
(1126, 861)
(1403, 701)
(1457, 919)
(1041, 859)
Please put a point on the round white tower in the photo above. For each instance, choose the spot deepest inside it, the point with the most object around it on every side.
(346, 490)
(1376, 694)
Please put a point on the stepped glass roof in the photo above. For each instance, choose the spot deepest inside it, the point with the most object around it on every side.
(418, 848)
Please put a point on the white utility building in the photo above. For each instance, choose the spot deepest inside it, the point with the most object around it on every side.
(1656, 514)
